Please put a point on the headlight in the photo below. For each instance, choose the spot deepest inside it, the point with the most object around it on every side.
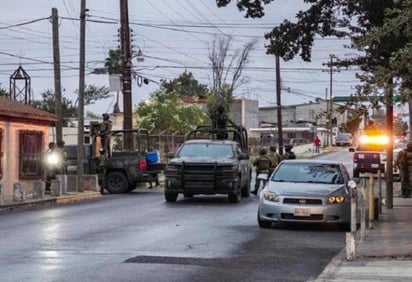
(53, 159)
(270, 196)
(337, 199)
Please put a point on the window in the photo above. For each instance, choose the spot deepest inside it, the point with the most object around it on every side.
(30, 151)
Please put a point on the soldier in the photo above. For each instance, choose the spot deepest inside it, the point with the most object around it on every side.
(263, 165)
(101, 168)
(105, 127)
(63, 156)
(274, 157)
(404, 163)
(289, 155)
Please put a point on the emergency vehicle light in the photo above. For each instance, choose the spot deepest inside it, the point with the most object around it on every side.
(377, 140)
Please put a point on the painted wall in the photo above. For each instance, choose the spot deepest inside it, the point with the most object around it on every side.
(11, 153)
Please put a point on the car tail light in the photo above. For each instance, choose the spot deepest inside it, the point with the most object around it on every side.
(142, 165)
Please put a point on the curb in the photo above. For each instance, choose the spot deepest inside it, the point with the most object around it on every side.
(329, 271)
(64, 199)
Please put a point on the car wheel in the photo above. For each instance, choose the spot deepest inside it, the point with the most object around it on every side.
(263, 223)
(170, 196)
(246, 189)
(116, 182)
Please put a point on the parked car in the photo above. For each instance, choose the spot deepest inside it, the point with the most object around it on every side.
(307, 191)
(344, 139)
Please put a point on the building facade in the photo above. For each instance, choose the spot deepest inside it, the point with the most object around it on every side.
(24, 136)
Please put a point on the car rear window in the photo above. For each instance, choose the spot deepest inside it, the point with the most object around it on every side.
(343, 137)
(308, 173)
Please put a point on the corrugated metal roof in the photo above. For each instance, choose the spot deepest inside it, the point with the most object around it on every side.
(14, 109)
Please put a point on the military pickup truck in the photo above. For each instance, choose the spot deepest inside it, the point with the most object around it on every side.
(123, 168)
(211, 161)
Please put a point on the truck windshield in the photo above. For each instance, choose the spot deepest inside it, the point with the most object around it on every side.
(207, 150)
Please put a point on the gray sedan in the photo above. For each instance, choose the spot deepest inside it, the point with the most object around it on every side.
(306, 191)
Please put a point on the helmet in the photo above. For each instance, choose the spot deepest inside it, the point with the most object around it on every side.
(262, 151)
(106, 116)
(272, 148)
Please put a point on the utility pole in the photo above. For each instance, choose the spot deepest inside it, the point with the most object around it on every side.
(330, 110)
(127, 80)
(57, 77)
(389, 150)
(80, 126)
(330, 100)
(279, 105)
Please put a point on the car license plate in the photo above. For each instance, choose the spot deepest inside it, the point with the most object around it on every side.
(301, 212)
(375, 165)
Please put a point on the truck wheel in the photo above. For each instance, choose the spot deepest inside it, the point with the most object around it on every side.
(116, 182)
(355, 173)
(246, 190)
(170, 196)
(237, 195)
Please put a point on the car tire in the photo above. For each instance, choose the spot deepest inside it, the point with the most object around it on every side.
(116, 182)
(170, 196)
(246, 189)
(263, 223)
(234, 197)
(237, 195)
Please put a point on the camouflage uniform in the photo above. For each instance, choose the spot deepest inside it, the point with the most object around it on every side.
(101, 168)
(263, 165)
(404, 163)
(105, 126)
(274, 157)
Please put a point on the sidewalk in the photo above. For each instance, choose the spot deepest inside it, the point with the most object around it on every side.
(384, 255)
(8, 204)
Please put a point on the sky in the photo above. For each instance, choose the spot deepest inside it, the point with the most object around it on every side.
(174, 36)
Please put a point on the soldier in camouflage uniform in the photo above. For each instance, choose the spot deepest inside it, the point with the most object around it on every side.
(274, 157)
(101, 168)
(404, 163)
(263, 164)
(105, 127)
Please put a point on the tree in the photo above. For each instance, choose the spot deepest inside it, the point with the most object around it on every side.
(227, 71)
(48, 104)
(165, 110)
(114, 65)
(3, 92)
(186, 85)
(94, 93)
(114, 62)
(69, 108)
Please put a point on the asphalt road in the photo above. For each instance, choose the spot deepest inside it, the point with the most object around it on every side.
(140, 237)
